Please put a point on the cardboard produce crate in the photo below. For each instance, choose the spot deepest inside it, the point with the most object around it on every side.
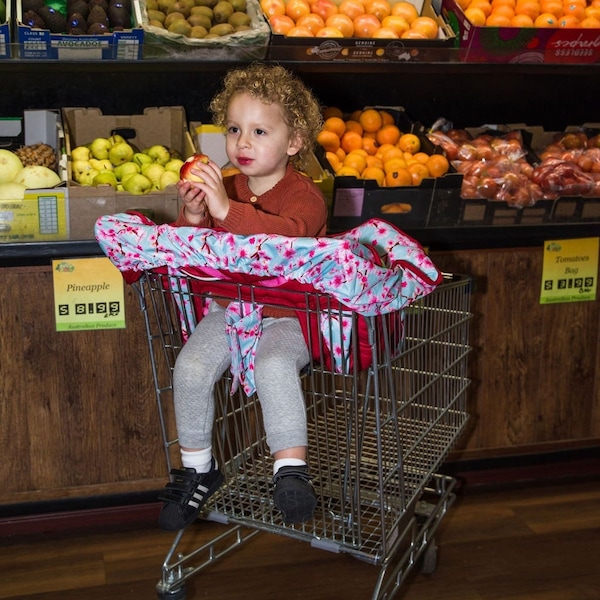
(43, 214)
(157, 125)
(241, 46)
(521, 44)
(38, 44)
(369, 50)
(5, 25)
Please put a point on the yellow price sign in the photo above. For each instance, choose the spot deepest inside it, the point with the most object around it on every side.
(570, 270)
(88, 294)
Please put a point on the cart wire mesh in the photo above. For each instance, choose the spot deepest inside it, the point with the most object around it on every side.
(377, 435)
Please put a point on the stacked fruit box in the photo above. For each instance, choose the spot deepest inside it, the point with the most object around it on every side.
(33, 200)
(157, 126)
(358, 44)
(548, 42)
(204, 30)
(79, 30)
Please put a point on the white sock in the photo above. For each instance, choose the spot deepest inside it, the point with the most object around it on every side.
(287, 462)
(201, 460)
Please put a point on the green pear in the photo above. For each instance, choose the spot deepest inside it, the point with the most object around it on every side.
(101, 164)
(174, 165)
(159, 154)
(88, 177)
(100, 147)
(81, 153)
(120, 153)
(137, 184)
(153, 172)
(168, 178)
(142, 159)
(121, 171)
(106, 178)
(116, 139)
(79, 168)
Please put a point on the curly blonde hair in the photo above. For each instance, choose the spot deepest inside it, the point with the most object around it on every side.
(272, 84)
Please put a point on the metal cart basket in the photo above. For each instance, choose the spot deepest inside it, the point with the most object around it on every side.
(377, 435)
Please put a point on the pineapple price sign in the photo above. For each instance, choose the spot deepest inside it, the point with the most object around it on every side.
(88, 294)
(570, 270)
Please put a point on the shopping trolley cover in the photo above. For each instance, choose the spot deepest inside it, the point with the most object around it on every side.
(371, 269)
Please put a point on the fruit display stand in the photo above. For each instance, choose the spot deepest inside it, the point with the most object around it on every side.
(160, 125)
(244, 45)
(527, 409)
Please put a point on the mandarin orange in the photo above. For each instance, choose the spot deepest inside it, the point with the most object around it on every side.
(388, 134)
(398, 177)
(370, 120)
(329, 140)
(335, 124)
(351, 140)
(438, 165)
(409, 142)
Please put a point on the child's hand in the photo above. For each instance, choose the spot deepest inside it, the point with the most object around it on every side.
(215, 196)
(193, 200)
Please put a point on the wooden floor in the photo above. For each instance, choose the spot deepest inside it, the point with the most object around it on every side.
(537, 543)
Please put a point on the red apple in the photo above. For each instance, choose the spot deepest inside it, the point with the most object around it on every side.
(185, 173)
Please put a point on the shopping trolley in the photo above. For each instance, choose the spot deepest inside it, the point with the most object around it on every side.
(378, 432)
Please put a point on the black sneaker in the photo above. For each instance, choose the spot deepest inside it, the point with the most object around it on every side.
(294, 494)
(185, 495)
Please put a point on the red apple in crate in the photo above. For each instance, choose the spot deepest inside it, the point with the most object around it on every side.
(185, 173)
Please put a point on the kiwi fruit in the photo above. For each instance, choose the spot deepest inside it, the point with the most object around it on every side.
(180, 26)
(221, 29)
(222, 11)
(172, 17)
(200, 20)
(198, 32)
(239, 19)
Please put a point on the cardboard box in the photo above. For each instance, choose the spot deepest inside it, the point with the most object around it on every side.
(521, 44)
(242, 46)
(369, 50)
(5, 47)
(38, 44)
(158, 125)
(43, 214)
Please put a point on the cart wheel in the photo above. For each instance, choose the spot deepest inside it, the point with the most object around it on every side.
(429, 564)
(177, 594)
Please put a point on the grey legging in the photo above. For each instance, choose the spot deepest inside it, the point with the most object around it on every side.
(281, 354)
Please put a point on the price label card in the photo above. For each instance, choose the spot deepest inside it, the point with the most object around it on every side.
(88, 294)
(570, 271)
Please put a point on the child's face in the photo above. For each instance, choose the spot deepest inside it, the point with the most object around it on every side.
(258, 140)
